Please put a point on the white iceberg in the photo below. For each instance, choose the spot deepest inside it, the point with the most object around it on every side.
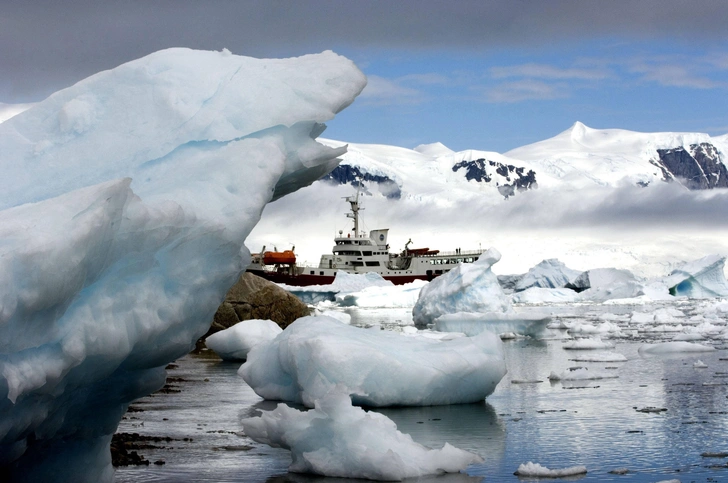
(340, 440)
(704, 278)
(538, 295)
(377, 368)
(126, 201)
(344, 283)
(550, 273)
(599, 357)
(234, 343)
(581, 374)
(673, 348)
(470, 287)
(602, 284)
(535, 470)
(592, 343)
(393, 296)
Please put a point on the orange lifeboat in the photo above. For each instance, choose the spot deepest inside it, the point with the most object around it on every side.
(277, 258)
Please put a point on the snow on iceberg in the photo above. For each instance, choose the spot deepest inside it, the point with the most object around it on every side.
(550, 273)
(470, 287)
(704, 278)
(377, 368)
(539, 295)
(126, 201)
(234, 343)
(340, 440)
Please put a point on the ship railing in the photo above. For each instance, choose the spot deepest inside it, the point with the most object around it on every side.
(456, 253)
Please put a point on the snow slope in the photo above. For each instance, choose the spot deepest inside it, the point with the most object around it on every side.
(126, 200)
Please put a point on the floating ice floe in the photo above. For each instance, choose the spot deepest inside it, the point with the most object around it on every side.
(234, 343)
(344, 283)
(674, 347)
(377, 368)
(704, 278)
(592, 343)
(581, 374)
(700, 364)
(126, 201)
(342, 317)
(535, 470)
(599, 357)
(337, 439)
(538, 295)
(605, 328)
(383, 296)
(550, 273)
(498, 323)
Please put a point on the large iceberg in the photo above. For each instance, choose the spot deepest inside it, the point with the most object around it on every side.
(377, 368)
(341, 440)
(126, 201)
(704, 278)
(550, 273)
(470, 287)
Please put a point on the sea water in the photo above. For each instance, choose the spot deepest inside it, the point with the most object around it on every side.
(598, 424)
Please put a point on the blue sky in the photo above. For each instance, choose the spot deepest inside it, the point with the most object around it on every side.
(503, 100)
(487, 74)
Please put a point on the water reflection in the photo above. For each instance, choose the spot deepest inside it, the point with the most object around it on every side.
(299, 478)
(472, 427)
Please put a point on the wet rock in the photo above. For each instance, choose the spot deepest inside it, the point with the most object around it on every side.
(253, 297)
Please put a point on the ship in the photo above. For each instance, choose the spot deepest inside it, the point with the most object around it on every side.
(357, 252)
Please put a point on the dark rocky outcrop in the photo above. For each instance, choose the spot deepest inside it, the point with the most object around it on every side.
(253, 297)
(699, 167)
(345, 174)
(513, 178)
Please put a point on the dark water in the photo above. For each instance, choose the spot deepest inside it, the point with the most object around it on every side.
(595, 423)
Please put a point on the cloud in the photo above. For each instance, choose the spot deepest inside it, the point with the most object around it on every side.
(381, 91)
(524, 90)
(677, 75)
(48, 44)
(545, 71)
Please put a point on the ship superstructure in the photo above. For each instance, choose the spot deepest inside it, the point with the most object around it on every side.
(359, 252)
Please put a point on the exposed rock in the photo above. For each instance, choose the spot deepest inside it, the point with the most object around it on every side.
(346, 174)
(511, 178)
(699, 167)
(253, 297)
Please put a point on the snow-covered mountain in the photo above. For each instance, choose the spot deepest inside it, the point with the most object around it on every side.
(577, 158)
(588, 197)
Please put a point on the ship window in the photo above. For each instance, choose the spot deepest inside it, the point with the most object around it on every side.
(357, 264)
(367, 254)
(321, 273)
(312, 272)
(372, 264)
(438, 272)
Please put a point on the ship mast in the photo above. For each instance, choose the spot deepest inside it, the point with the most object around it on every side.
(354, 202)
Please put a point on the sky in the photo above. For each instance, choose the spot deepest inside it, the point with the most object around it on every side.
(487, 75)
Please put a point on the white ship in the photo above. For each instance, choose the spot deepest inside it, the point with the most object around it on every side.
(357, 252)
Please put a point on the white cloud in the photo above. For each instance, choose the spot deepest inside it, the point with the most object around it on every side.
(545, 71)
(524, 90)
(382, 91)
(676, 75)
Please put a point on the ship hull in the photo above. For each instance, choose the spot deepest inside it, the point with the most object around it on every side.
(304, 280)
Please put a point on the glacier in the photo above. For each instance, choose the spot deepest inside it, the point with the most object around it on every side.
(376, 368)
(126, 200)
